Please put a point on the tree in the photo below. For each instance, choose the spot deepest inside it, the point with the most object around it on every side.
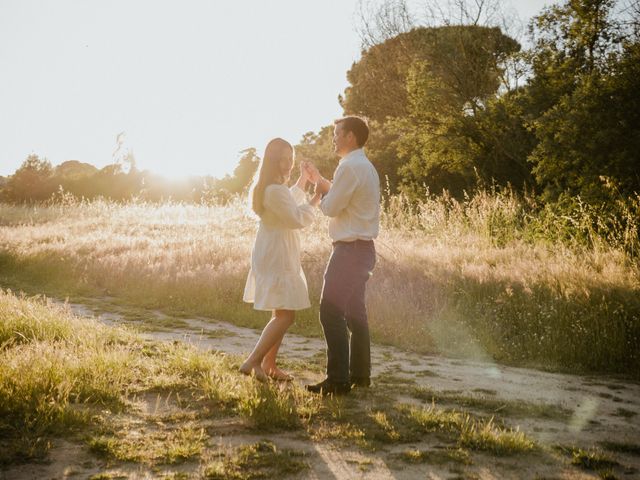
(73, 169)
(245, 170)
(31, 182)
(500, 142)
(583, 101)
(590, 139)
(318, 148)
(569, 40)
(239, 182)
(424, 89)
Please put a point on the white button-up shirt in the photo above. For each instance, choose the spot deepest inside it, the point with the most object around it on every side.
(353, 201)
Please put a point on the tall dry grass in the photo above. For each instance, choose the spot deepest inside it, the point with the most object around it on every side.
(492, 277)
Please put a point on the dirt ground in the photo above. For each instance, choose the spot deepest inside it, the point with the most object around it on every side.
(601, 409)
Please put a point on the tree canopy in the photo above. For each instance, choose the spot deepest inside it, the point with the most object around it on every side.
(446, 113)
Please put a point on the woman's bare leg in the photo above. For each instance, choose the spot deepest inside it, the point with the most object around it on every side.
(269, 361)
(271, 337)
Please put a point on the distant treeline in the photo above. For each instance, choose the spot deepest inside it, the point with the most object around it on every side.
(37, 180)
(455, 107)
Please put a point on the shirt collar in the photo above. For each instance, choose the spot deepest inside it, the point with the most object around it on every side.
(353, 153)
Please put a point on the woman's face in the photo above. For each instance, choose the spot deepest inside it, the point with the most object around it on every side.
(286, 166)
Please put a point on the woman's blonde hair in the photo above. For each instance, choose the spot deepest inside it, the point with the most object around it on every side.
(270, 171)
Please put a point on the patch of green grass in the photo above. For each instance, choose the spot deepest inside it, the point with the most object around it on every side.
(386, 429)
(574, 389)
(275, 406)
(517, 408)
(319, 358)
(345, 431)
(56, 370)
(218, 333)
(107, 476)
(621, 447)
(432, 419)
(616, 386)
(425, 373)
(258, 460)
(389, 377)
(177, 476)
(361, 419)
(387, 423)
(387, 356)
(363, 464)
(487, 436)
(485, 391)
(143, 319)
(29, 447)
(623, 412)
(63, 375)
(159, 447)
(469, 431)
(589, 459)
(607, 475)
(438, 457)
(302, 366)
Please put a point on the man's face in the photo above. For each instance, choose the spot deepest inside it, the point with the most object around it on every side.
(341, 143)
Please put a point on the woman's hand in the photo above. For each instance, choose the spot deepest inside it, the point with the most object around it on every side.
(312, 170)
(304, 171)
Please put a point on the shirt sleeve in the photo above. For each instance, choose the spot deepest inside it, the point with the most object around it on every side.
(344, 184)
(298, 194)
(281, 201)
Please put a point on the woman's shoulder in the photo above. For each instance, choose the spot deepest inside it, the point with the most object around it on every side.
(276, 189)
(275, 195)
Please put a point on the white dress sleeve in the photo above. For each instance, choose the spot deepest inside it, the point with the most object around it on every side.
(280, 200)
(298, 194)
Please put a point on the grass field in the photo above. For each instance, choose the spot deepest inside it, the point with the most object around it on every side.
(69, 377)
(133, 407)
(480, 278)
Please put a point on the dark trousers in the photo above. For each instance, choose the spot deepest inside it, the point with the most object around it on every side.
(342, 309)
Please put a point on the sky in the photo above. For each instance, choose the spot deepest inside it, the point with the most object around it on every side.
(190, 83)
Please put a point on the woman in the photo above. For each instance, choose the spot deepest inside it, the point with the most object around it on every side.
(276, 281)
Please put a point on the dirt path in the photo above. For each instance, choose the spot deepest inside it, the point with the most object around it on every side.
(595, 410)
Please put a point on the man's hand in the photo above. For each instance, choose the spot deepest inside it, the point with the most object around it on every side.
(322, 184)
(315, 200)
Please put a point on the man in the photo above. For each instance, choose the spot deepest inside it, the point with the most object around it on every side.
(353, 203)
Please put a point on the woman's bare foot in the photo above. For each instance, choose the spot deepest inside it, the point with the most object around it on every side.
(277, 374)
(255, 370)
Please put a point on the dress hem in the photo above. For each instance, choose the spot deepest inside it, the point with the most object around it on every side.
(268, 309)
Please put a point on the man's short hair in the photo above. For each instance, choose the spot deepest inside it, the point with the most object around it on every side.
(357, 125)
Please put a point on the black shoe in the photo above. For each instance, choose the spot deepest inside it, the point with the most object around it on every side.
(327, 387)
(362, 382)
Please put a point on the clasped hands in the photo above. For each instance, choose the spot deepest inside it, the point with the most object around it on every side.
(309, 172)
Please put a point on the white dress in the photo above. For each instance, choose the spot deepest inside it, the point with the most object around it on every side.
(276, 280)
